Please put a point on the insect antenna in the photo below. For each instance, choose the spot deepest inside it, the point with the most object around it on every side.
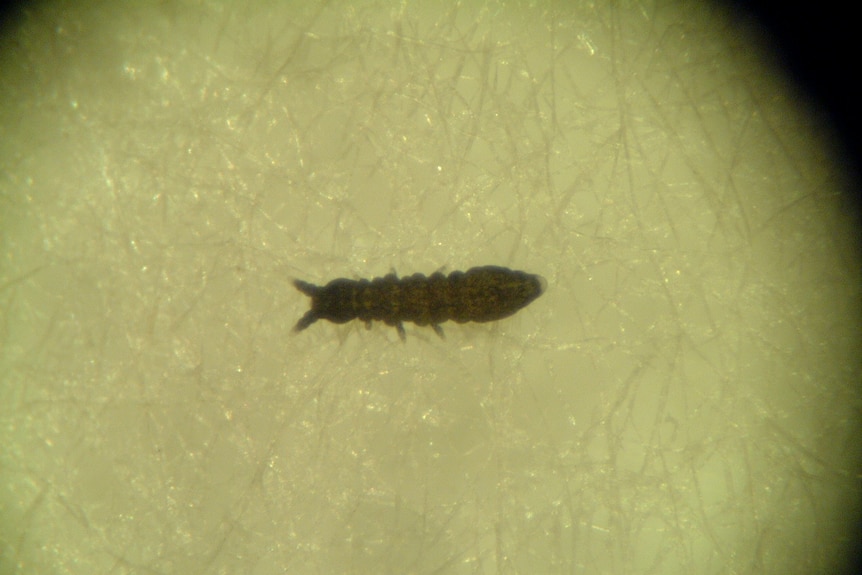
(306, 288)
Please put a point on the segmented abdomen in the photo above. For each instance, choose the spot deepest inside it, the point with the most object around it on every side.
(480, 294)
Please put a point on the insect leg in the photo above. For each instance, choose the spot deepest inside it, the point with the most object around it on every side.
(438, 330)
(401, 333)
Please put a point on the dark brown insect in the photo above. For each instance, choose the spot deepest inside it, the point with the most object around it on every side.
(480, 294)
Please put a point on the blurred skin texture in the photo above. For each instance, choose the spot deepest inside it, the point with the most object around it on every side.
(683, 398)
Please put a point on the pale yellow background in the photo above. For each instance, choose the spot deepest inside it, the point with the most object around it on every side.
(683, 399)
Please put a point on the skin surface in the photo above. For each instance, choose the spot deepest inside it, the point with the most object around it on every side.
(683, 400)
(480, 294)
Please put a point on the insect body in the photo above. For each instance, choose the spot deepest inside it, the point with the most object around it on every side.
(480, 294)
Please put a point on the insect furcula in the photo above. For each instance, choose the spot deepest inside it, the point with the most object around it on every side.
(480, 294)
